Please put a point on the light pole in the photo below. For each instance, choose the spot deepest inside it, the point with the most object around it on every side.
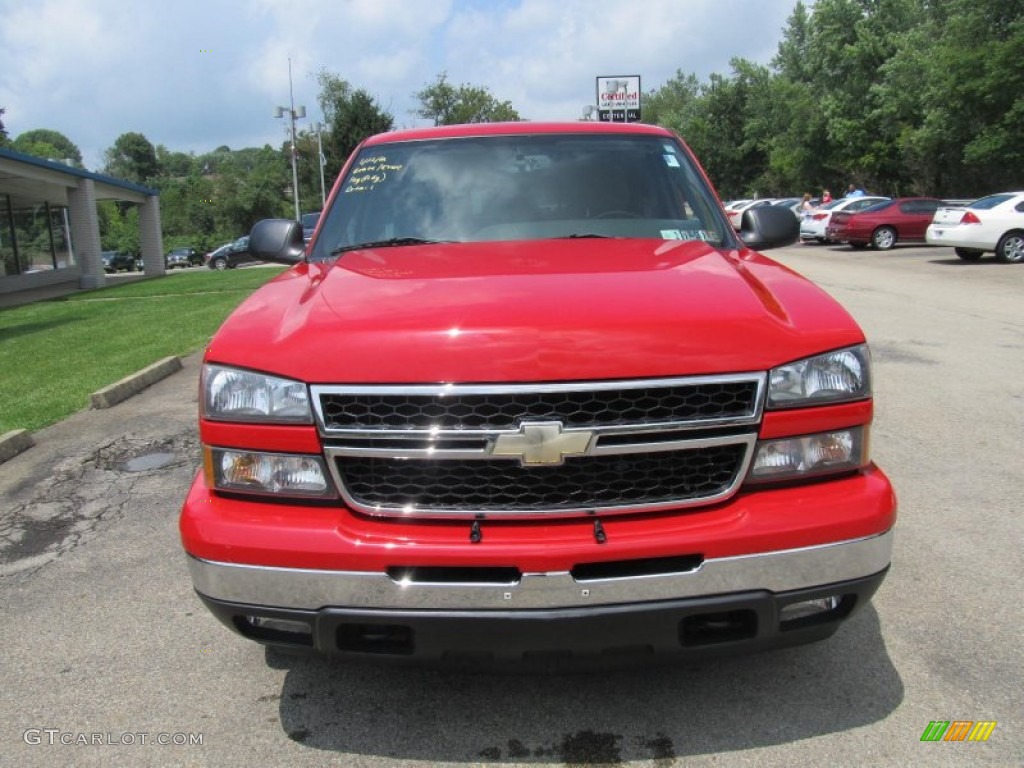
(318, 127)
(293, 114)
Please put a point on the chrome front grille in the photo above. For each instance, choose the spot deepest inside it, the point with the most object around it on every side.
(539, 450)
(505, 407)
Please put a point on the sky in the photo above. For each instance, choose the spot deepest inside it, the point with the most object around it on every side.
(195, 75)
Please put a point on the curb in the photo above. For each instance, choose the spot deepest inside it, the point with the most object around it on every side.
(20, 440)
(14, 442)
(121, 390)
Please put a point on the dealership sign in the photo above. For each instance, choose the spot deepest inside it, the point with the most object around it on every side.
(618, 98)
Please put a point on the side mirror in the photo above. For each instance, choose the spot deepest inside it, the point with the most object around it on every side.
(278, 240)
(769, 226)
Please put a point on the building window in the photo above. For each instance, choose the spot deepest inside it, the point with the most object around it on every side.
(33, 238)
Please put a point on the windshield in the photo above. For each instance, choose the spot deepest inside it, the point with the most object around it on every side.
(987, 203)
(519, 187)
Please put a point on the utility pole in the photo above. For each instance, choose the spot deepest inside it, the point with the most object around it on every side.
(293, 115)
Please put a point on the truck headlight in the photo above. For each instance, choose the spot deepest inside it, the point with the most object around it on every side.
(835, 377)
(278, 474)
(232, 394)
(797, 458)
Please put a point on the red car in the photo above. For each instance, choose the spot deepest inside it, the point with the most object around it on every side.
(527, 394)
(903, 220)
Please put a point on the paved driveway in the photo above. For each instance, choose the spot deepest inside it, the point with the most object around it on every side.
(104, 642)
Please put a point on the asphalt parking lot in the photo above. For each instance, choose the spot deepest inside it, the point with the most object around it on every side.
(107, 652)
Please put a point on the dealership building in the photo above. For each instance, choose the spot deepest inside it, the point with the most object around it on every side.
(49, 224)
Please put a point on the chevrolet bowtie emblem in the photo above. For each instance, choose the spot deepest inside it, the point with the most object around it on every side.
(542, 443)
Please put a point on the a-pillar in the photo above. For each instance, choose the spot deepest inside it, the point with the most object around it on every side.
(85, 234)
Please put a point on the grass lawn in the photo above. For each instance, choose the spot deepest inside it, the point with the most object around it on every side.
(53, 354)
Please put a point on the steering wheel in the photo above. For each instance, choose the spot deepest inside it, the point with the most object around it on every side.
(617, 214)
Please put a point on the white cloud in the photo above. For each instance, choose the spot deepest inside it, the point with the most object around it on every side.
(196, 74)
(545, 55)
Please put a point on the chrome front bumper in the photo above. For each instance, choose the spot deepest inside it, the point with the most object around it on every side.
(311, 590)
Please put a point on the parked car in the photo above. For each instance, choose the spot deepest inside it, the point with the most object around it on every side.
(793, 203)
(115, 261)
(230, 255)
(531, 397)
(183, 257)
(309, 221)
(993, 223)
(736, 214)
(882, 225)
(813, 223)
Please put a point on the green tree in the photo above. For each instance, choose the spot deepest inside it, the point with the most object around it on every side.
(119, 228)
(784, 125)
(446, 104)
(675, 104)
(188, 210)
(960, 72)
(899, 96)
(250, 184)
(719, 135)
(351, 115)
(48, 144)
(4, 138)
(132, 157)
(173, 164)
(791, 60)
(849, 43)
(209, 199)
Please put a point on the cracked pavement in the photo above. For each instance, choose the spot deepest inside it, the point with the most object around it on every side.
(84, 473)
(84, 493)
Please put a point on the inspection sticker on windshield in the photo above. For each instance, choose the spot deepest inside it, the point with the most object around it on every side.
(671, 161)
(685, 234)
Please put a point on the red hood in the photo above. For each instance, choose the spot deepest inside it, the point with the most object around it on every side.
(552, 310)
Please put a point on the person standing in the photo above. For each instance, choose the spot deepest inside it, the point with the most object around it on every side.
(806, 204)
(854, 191)
(826, 197)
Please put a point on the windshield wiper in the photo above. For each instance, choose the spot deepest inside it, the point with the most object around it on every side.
(576, 235)
(393, 242)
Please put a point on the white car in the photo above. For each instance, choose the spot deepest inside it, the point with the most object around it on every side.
(813, 223)
(793, 203)
(993, 223)
(736, 214)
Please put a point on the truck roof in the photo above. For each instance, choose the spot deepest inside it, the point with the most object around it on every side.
(511, 128)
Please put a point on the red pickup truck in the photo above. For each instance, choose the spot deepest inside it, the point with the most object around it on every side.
(526, 394)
